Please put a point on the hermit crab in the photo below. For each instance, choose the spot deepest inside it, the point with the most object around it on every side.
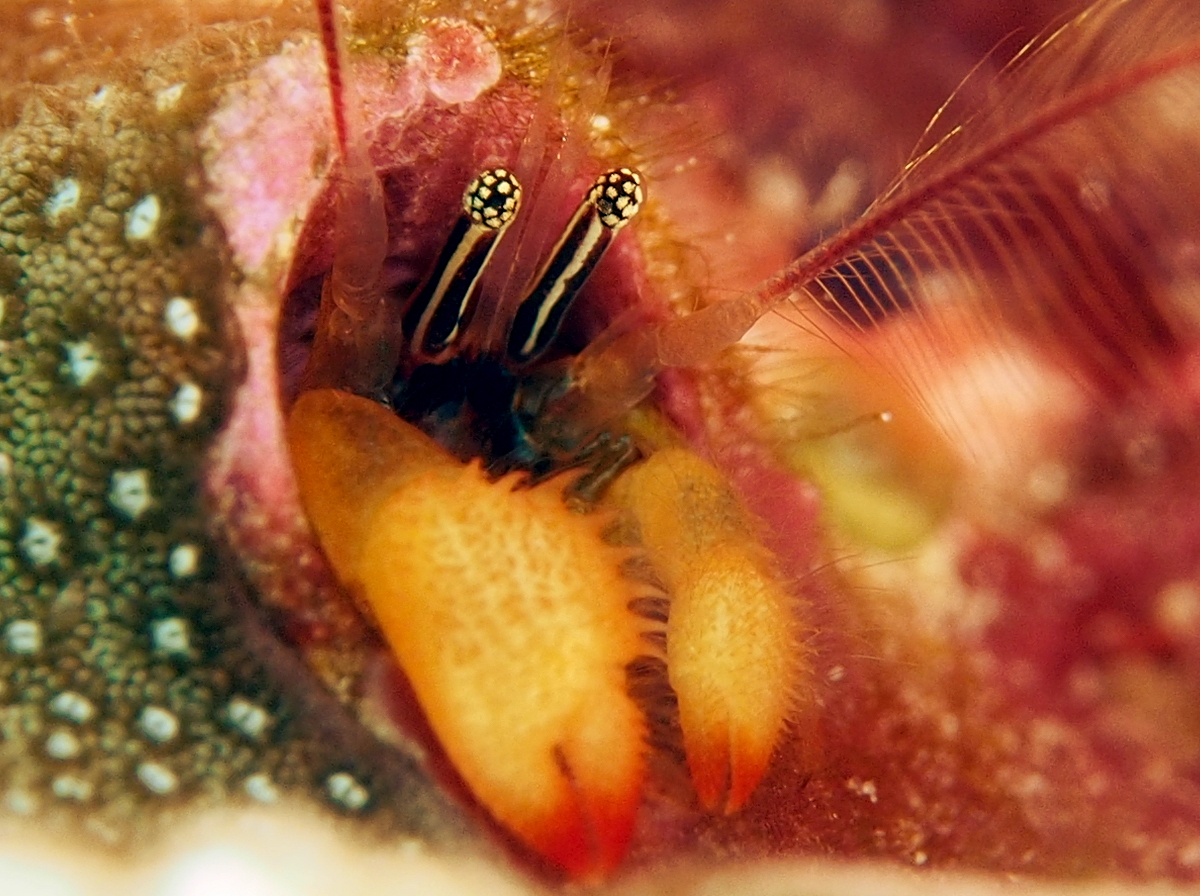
(458, 421)
(520, 662)
(736, 659)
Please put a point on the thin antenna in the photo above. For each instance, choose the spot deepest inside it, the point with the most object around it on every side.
(333, 65)
(351, 347)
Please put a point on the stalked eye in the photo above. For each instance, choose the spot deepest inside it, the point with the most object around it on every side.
(609, 206)
(435, 320)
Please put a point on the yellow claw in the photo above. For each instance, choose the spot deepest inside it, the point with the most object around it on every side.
(507, 612)
(734, 652)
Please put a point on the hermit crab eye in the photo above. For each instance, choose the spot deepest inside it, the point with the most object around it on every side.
(611, 204)
(443, 307)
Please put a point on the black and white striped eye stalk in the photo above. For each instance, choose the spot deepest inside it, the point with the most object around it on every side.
(611, 203)
(443, 307)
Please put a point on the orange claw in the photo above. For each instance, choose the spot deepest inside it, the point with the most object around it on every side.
(507, 612)
(734, 654)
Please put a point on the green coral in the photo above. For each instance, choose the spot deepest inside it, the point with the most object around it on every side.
(128, 691)
(106, 407)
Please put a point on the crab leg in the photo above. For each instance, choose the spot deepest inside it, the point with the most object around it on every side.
(734, 651)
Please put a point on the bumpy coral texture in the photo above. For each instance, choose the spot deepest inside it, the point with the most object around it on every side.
(118, 363)
(135, 683)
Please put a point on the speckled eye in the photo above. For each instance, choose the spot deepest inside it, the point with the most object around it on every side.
(435, 320)
(612, 203)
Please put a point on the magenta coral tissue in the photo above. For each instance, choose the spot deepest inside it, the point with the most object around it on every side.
(505, 446)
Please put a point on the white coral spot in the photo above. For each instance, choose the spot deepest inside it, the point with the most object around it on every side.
(184, 560)
(171, 636)
(141, 221)
(346, 791)
(185, 404)
(249, 718)
(158, 724)
(157, 778)
(260, 787)
(83, 361)
(63, 745)
(70, 787)
(168, 98)
(181, 318)
(23, 636)
(20, 801)
(129, 492)
(455, 59)
(72, 706)
(41, 541)
(65, 198)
